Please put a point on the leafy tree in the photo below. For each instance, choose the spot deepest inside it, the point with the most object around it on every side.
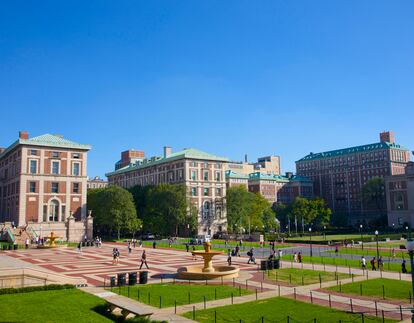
(113, 208)
(373, 194)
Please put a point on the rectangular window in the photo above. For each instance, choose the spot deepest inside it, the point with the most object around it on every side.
(206, 176)
(76, 155)
(55, 187)
(55, 154)
(205, 165)
(218, 176)
(194, 175)
(218, 191)
(206, 191)
(194, 191)
(33, 167)
(76, 168)
(33, 152)
(32, 187)
(55, 167)
(75, 188)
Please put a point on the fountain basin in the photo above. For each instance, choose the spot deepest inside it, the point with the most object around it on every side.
(198, 273)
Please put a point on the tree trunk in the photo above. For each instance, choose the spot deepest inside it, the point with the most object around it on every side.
(119, 233)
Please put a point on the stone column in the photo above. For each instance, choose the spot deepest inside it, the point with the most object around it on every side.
(70, 225)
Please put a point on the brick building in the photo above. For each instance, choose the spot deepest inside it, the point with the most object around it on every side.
(200, 172)
(400, 197)
(275, 188)
(266, 165)
(339, 175)
(43, 181)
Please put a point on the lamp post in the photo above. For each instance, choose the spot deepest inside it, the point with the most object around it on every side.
(360, 231)
(376, 238)
(324, 232)
(310, 240)
(410, 249)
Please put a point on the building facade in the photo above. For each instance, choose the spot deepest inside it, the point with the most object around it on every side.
(43, 180)
(265, 165)
(400, 198)
(275, 188)
(200, 172)
(339, 175)
(96, 182)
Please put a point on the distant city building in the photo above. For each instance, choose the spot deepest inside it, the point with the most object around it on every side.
(43, 183)
(339, 175)
(275, 188)
(265, 165)
(400, 197)
(200, 172)
(128, 157)
(97, 182)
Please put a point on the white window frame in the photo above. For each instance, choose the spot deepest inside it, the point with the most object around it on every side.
(51, 167)
(73, 169)
(30, 166)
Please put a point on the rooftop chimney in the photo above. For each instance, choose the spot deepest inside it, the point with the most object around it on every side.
(289, 175)
(167, 151)
(387, 136)
(23, 135)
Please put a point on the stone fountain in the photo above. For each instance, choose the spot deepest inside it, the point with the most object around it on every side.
(51, 239)
(208, 271)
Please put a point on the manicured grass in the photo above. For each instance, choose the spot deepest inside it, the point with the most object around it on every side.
(249, 244)
(277, 309)
(175, 246)
(302, 276)
(354, 263)
(393, 289)
(342, 237)
(181, 293)
(51, 306)
(371, 251)
(392, 244)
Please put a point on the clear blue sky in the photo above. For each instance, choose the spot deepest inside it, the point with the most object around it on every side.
(227, 77)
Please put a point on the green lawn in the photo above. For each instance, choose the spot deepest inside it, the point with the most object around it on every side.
(249, 244)
(393, 289)
(371, 251)
(302, 276)
(354, 263)
(275, 310)
(342, 237)
(180, 292)
(70, 305)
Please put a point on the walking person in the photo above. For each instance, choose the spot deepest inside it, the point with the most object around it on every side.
(114, 256)
(79, 246)
(129, 247)
(373, 264)
(403, 267)
(144, 260)
(295, 257)
(363, 263)
(380, 263)
(251, 256)
(187, 247)
(27, 243)
(300, 257)
(229, 257)
(237, 250)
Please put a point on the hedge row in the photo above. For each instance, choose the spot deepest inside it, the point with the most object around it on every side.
(4, 291)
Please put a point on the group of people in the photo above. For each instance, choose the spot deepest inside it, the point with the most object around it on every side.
(297, 257)
(374, 262)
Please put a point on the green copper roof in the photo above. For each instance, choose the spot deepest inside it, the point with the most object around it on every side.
(232, 174)
(47, 140)
(352, 150)
(268, 177)
(188, 153)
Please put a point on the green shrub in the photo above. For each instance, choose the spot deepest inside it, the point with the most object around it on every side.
(4, 291)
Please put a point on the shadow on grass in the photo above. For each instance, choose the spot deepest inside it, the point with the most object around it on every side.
(104, 311)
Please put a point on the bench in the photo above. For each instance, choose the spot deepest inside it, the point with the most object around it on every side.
(128, 308)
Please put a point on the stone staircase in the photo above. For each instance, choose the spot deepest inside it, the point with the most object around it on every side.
(20, 235)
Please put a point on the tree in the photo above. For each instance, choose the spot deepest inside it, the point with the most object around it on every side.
(113, 208)
(373, 194)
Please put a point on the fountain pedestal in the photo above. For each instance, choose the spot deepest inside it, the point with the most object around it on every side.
(208, 271)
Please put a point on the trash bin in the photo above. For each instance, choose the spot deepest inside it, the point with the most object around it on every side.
(263, 265)
(276, 263)
(4, 247)
(15, 246)
(112, 281)
(143, 277)
(132, 278)
(121, 279)
(10, 247)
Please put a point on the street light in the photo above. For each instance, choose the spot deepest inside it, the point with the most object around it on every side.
(360, 231)
(310, 240)
(376, 238)
(324, 232)
(410, 249)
